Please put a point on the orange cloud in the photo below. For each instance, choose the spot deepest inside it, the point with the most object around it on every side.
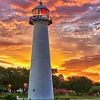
(73, 2)
(18, 55)
(74, 39)
(94, 76)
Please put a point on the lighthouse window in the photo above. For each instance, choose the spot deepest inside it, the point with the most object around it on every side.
(44, 11)
(33, 90)
(41, 13)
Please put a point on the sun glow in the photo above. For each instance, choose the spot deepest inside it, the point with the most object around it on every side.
(74, 35)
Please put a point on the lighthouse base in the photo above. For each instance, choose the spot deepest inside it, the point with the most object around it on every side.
(40, 90)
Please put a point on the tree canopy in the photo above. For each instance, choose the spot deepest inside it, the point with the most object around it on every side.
(94, 89)
(16, 78)
(80, 84)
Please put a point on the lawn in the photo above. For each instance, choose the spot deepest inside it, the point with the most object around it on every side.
(15, 94)
(81, 97)
(85, 97)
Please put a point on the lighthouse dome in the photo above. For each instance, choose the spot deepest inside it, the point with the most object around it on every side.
(41, 7)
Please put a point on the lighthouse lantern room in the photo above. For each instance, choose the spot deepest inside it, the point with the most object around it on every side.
(40, 13)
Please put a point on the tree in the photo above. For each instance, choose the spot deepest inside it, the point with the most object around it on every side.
(10, 97)
(58, 81)
(95, 89)
(54, 71)
(16, 77)
(55, 81)
(96, 84)
(80, 84)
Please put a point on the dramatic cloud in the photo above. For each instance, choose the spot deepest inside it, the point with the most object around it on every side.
(82, 63)
(74, 35)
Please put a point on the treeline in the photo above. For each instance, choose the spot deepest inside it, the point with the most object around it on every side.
(75, 85)
(14, 78)
(17, 78)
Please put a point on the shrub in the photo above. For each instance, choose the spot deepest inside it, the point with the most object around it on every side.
(10, 97)
(94, 89)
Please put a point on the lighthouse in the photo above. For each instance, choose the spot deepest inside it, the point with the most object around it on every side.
(40, 80)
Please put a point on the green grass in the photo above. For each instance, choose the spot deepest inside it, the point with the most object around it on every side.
(16, 94)
(60, 96)
(19, 94)
(79, 97)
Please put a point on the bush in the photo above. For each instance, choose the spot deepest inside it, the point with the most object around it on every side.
(10, 97)
(1, 97)
(94, 89)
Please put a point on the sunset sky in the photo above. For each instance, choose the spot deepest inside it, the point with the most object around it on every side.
(74, 35)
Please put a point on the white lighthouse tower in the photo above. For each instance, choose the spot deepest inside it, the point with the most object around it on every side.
(40, 81)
